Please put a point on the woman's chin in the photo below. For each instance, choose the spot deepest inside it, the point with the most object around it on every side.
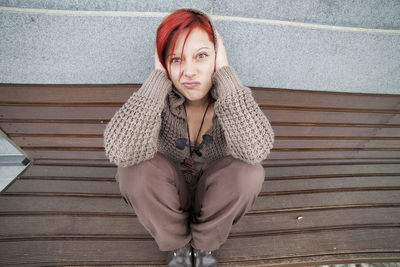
(194, 96)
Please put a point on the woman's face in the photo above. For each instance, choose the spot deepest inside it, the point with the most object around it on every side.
(192, 74)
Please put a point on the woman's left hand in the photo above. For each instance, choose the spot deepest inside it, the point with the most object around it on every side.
(221, 58)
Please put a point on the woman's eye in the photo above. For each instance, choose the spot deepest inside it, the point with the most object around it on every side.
(175, 60)
(203, 55)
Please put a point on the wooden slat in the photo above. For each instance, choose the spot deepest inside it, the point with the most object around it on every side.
(278, 144)
(237, 250)
(362, 183)
(322, 260)
(56, 154)
(325, 199)
(24, 226)
(59, 141)
(39, 93)
(67, 251)
(105, 112)
(72, 171)
(331, 169)
(28, 93)
(297, 221)
(296, 98)
(58, 204)
(327, 154)
(298, 129)
(85, 127)
(78, 112)
(323, 243)
(103, 162)
(54, 186)
(85, 185)
(338, 143)
(266, 163)
(280, 129)
(75, 154)
(282, 171)
(87, 202)
(319, 162)
(317, 116)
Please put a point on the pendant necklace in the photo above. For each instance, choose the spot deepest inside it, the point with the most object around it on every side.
(189, 161)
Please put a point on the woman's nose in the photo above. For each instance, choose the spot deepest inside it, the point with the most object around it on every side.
(188, 69)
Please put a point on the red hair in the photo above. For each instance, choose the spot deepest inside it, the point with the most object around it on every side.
(172, 26)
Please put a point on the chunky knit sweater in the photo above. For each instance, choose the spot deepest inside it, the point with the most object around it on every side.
(153, 118)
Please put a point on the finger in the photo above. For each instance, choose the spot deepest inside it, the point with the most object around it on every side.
(155, 52)
(217, 42)
(219, 36)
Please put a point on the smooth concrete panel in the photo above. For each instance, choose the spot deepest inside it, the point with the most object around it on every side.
(376, 14)
(110, 5)
(313, 59)
(70, 48)
(53, 49)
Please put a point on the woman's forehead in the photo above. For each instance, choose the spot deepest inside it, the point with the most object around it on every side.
(196, 40)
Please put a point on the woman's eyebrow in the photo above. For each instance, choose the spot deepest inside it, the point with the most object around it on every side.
(205, 47)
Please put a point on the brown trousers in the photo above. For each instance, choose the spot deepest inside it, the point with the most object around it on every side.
(202, 212)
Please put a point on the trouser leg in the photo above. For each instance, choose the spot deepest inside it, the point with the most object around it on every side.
(157, 192)
(225, 192)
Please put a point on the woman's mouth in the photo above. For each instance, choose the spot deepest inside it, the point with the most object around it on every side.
(190, 85)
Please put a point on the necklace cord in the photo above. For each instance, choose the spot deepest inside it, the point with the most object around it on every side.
(201, 126)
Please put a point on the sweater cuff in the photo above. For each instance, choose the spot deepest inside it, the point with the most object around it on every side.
(156, 86)
(226, 81)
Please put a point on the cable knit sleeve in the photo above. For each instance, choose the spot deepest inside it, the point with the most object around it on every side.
(131, 135)
(248, 133)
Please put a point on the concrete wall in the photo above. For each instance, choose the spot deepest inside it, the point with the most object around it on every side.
(342, 45)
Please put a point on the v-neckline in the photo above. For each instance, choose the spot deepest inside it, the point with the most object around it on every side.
(209, 130)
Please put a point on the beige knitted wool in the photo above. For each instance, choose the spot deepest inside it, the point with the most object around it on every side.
(153, 118)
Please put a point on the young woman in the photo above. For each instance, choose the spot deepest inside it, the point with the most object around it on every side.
(189, 143)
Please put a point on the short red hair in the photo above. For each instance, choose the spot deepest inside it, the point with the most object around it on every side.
(172, 26)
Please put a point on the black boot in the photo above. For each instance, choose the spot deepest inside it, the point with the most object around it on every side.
(205, 258)
(181, 257)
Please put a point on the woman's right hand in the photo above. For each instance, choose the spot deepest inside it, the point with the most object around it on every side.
(221, 59)
(157, 63)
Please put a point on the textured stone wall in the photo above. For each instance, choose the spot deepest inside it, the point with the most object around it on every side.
(344, 46)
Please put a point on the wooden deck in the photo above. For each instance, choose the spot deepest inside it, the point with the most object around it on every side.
(331, 193)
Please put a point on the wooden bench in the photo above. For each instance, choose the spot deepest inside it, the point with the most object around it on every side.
(331, 192)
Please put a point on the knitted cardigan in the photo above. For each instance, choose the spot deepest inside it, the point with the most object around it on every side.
(153, 118)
